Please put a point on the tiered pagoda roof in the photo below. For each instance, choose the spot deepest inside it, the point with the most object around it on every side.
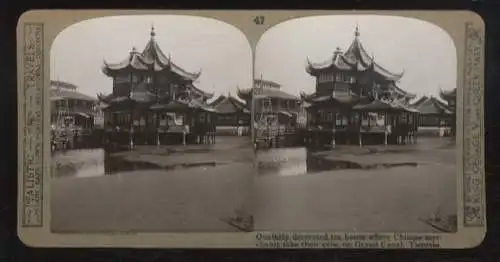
(140, 93)
(384, 105)
(320, 100)
(432, 106)
(357, 59)
(355, 102)
(228, 105)
(150, 59)
(182, 105)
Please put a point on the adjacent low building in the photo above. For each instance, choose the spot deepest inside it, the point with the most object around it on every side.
(232, 113)
(433, 112)
(70, 108)
(450, 96)
(275, 111)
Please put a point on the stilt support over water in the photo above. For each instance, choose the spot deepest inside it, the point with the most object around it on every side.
(131, 139)
(385, 138)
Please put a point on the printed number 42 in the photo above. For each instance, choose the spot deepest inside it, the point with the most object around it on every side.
(259, 20)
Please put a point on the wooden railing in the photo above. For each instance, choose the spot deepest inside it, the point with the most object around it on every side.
(72, 110)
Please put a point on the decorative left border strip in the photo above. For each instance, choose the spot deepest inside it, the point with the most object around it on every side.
(32, 167)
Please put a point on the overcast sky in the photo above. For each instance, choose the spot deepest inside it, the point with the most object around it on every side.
(220, 50)
(425, 52)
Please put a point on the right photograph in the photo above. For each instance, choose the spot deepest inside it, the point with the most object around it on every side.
(354, 126)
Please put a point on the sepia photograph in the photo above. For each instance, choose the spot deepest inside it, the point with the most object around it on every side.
(251, 129)
(355, 126)
(150, 126)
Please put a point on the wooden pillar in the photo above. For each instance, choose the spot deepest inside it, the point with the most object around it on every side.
(407, 131)
(238, 124)
(415, 135)
(157, 117)
(209, 127)
(214, 126)
(333, 138)
(205, 129)
(386, 131)
(439, 126)
(131, 130)
(199, 130)
(415, 128)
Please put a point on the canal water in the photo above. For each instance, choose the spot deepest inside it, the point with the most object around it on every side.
(296, 161)
(79, 163)
(275, 161)
(302, 161)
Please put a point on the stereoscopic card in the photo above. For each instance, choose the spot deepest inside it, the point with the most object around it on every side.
(251, 129)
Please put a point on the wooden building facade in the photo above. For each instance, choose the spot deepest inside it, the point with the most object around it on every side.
(275, 111)
(357, 101)
(433, 113)
(154, 101)
(70, 107)
(450, 96)
(232, 113)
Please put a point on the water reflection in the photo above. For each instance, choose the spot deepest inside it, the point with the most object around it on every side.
(79, 163)
(282, 161)
(92, 162)
(300, 161)
(295, 161)
(275, 161)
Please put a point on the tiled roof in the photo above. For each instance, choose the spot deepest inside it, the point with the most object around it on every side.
(274, 93)
(432, 105)
(355, 58)
(229, 104)
(151, 58)
(58, 94)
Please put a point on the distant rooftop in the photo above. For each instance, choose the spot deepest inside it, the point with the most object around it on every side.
(64, 90)
(62, 84)
(259, 82)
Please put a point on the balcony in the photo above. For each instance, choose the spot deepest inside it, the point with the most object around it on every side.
(73, 110)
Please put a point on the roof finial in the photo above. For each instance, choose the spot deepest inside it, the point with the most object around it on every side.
(356, 32)
(153, 30)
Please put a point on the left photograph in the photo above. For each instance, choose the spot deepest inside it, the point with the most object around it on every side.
(150, 126)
